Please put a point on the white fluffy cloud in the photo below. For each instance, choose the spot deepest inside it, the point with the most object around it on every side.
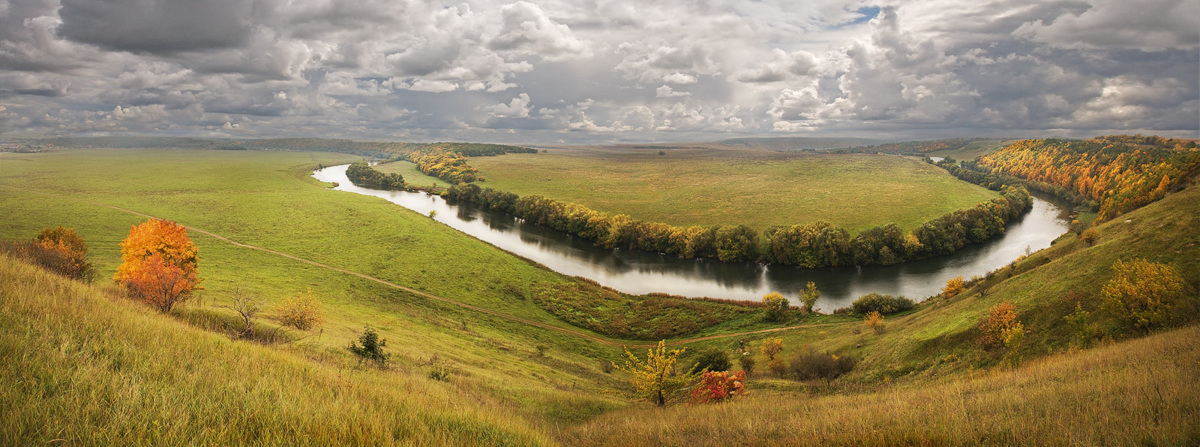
(600, 70)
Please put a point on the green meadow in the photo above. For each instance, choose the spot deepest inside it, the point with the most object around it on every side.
(759, 189)
(89, 366)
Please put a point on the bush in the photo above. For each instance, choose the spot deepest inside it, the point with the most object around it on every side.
(713, 360)
(1141, 293)
(810, 365)
(874, 320)
(371, 348)
(1001, 318)
(956, 285)
(771, 347)
(746, 361)
(1090, 236)
(59, 250)
(301, 312)
(776, 306)
(884, 304)
(716, 386)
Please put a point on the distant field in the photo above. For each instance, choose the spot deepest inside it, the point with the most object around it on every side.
(973, 149)
(411, 175)
(759, 189)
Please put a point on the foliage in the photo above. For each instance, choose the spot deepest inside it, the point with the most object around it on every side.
(1013, 337)
(365, 176)
(449, 166)
(159, 264)
(370, 347)
(776, 306)
(809, 364)
(302, 312)
(771, 347)
(995, 326)
(746, 361)
(59, 250)
(1084, 329)
(713, 360)
(882, 303)
(809, 296)
(954, 286)
(716, 386)
(1118, 172)
(874, 320)
(654, 379)
(1090, 236)
(1141, 293)
(589, 305)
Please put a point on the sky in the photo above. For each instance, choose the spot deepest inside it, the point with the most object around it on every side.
(600, 71)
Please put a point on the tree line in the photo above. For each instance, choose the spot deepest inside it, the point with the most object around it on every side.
(813, 245)
(1117, 173)
(362, 174)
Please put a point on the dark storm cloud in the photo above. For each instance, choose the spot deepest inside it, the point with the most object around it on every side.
(599, 70)
(157, 26)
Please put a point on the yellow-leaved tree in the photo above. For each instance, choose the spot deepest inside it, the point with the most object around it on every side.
(655, 379)
(1142, 293)
(159, 264)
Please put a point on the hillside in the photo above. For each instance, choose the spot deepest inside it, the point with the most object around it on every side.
(520, 374)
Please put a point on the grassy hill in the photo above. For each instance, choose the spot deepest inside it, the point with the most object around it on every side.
(90, 367)
(753, 188)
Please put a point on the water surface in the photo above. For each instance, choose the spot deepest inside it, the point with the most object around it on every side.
(640, 272)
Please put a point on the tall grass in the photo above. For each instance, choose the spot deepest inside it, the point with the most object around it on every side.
(82, 365)
(1137, 392)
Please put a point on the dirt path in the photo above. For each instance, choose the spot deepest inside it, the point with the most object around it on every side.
(425, 294)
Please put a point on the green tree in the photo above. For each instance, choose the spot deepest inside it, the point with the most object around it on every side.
(809, 296)
(654, 379)
(713, 360)
(371, 347)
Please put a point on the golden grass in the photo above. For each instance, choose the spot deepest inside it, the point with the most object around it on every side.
(1142, 391)
(81, 365)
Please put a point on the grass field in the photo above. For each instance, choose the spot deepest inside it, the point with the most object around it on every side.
(100, 369)
(411, 174)
(727, 187)
(973, 149)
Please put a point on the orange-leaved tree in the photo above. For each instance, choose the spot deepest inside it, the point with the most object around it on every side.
(159, 263)
(61, 250)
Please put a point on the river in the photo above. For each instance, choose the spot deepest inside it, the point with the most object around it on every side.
(638, 272)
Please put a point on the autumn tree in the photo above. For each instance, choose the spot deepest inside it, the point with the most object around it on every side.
(954, 286)
(809, 296)
(997, 326)
(772, 347)
(1141, 293)
(159, 264)
(874, 320)
(716, 386)
(654, 379)
(60, 250)
(776, 306)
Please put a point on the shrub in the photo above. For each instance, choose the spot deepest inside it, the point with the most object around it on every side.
(1013, 336)
(809, 296)
(653, 380)
(1084, 329)
(776, 306)
(955, 286)
(810, 365)
(874, 320)
(371, 347)
(1141, 293)
(1002, 317)
(246, 307)
(59, 250)
(771, 347)
(301, 312)
(746, 361)
(777, 367)
(713, 360)
(884, 304)
(716, 386)
(1090, 236)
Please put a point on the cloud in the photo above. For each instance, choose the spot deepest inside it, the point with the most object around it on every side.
(517, 108)
(602, 70)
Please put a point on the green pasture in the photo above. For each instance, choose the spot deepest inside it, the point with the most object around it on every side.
(718, 187)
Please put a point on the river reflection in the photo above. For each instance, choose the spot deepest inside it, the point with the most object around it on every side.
(639, 272)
